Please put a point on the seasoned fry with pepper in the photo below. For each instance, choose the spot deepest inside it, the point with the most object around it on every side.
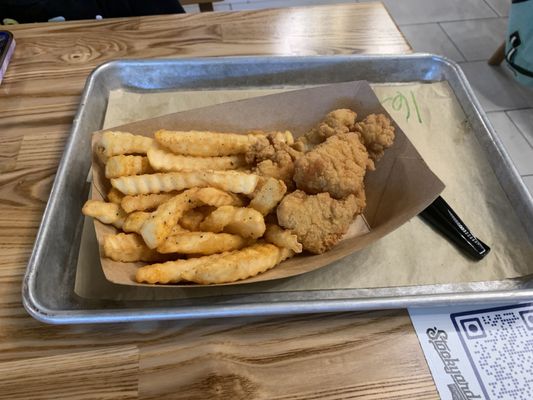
(268, 194)
(107, 213)
(243, 221)
(166, 161)
(205, 144)
(201, 243)
(231, 181)
(143, 202)
(114, 196)
(129, 248)
(282, 238)
(218, 268)
(158, 227)
(122, 165)
(114, 143)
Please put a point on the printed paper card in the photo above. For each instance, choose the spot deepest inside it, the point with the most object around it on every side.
(478, 352)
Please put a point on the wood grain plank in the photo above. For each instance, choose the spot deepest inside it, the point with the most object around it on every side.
(8, 155)
(97, 374)
(27, 187)
(47, 148)
(321, 352)
(198, 359)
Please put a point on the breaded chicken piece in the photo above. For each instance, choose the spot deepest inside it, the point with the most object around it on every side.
(318, 221)
(337, 166)
(377, 134)
(274, 157)
(337, 121)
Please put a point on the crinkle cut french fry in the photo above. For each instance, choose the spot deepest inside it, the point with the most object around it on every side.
(122, 165)
(230, 181)
(205, 143)
(217, 198)
(267, 195)
(205, 243)
(282, 238)
(135, 221)
(246, 222)
(192, 219)
(217, 268)
(115, 196)
(143, 202)
(158, 227)
(107, 213)
(163, 160)
(113, 143)
(178, 229)
(128, 248)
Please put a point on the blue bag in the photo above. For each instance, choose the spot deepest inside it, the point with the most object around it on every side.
(519, 43)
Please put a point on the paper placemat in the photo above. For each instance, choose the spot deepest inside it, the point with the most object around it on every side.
(414, 254)
(478, 352)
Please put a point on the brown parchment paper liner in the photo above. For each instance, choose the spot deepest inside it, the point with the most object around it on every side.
(411, 255)
(399, 189)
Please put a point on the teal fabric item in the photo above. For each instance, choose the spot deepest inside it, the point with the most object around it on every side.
(519, 41)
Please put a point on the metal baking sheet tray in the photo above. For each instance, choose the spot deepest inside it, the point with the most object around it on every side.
(48, 288)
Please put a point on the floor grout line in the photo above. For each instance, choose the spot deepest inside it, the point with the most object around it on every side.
(476, 19)
(451, 40)
(522, 133)
(492, 8)
(518, 109)
(455, 20)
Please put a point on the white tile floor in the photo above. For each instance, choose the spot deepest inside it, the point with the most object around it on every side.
(467, 31)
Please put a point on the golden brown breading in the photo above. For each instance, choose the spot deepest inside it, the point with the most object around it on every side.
(337, 121)
(318, 221)
(274, 158)
(337, 166)
(377, 134)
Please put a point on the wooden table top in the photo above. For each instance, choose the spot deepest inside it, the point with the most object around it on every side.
(367, 355)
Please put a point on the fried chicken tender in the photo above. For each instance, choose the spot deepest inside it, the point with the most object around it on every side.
(319, 221)
(337, 166)
(337, 121)
(377, 134)
(274, 157)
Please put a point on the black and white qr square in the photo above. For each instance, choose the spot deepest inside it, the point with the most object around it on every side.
(473, 328)
(527, 317)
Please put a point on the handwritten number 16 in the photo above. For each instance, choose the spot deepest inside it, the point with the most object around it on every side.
(401, 102)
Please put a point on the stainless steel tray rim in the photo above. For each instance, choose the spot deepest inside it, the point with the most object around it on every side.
(269, 309)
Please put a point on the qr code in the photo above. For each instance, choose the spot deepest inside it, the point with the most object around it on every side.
(499, 343)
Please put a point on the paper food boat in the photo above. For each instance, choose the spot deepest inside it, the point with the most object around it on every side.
(401, 186)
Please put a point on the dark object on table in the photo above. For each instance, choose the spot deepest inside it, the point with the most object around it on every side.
(26, 11)
(7, 47)
(441, 216)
